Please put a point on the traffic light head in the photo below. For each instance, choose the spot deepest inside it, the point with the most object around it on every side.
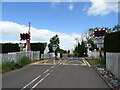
(25, 36)
(99, 33)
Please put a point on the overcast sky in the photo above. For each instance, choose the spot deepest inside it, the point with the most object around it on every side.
(67, 19)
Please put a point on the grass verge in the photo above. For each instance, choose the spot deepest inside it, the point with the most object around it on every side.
(9, 66)
(98, 62)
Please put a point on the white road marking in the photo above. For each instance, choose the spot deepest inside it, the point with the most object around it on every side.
(52, 67)
(88, 63)
(39, 81)
(42, 78)
(46, 71)
(51, 70)
(31, 82)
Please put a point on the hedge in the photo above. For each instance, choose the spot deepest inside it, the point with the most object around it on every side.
(112, 42)
(11, 47)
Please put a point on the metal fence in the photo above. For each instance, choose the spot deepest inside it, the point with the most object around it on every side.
(16, 56)
(94, 54)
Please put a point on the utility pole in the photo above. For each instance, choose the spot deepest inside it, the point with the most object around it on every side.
(28, 40)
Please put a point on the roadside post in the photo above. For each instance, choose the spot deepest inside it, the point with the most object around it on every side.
(98, 37)
(26, 36)
(87, 46)
(55, 50)
(21, 45)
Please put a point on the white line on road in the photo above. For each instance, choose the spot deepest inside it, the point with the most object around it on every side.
(51, 71)
(46, 71)
(39, 81)
(40, 76)
(88, 63)
(52, 67)
(31, 82)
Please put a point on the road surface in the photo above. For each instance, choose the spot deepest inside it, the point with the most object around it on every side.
(72, 73)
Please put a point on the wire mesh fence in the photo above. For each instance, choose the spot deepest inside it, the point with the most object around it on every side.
(16, 56)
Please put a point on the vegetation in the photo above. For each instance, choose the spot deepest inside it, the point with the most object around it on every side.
(93, 46)
(97, 62)
(115, 28)
(80, 50)
(8, 66)
(24, 61)
(38, 47)
(61, 51)
(53, 41)
(9, 47)
(112, 42)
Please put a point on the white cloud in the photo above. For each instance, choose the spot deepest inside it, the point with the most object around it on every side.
(55, 3)
(11, 29)
(71, 6)
(101, 7)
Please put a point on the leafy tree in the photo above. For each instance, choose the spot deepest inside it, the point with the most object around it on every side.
(53, 41)
(62, 51)
(80, 50)
(93, 46)
(116, 28)
(83, 51)
(68, 52)
(91, 29)
(75, 51)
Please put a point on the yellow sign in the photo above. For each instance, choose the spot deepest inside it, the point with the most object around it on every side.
(99, 49)
(21, 48)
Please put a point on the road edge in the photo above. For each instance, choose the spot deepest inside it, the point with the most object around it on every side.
(108, 84)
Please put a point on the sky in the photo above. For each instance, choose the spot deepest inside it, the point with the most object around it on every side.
(67, 19)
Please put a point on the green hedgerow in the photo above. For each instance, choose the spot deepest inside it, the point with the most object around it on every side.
(7, 66)
(24, 61)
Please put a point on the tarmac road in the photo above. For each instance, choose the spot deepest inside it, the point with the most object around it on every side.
(61, 75)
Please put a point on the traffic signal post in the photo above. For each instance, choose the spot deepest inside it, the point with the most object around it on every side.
(98, 37)
(26, 36)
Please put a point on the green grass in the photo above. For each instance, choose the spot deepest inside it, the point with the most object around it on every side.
(8, 66)
(94, 61)
(24, 61)
(98, 62)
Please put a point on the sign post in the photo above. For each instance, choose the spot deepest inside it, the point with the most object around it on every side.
(21, 45)
(55, 50)
(99, 35)
(87, 46)
(26, 36)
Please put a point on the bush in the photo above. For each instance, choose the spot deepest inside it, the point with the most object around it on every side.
(18, 65)
(8, 66)
(24, 61)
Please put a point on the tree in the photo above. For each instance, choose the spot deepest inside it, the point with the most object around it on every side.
(53, 41)
(93, 46)
(83, 49)
(80, 50)
(68, 51)
(61, 51)
(116, 28)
